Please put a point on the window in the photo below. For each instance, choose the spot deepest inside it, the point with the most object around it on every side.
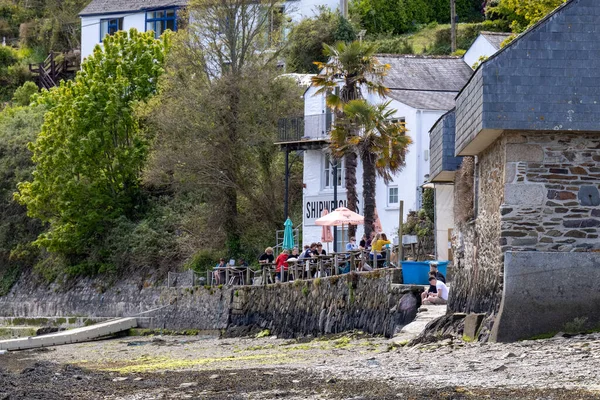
(161, 20)
(392, 196)
(342, 238)
(328, 173)
(109, 26)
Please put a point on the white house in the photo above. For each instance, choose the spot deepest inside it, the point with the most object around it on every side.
(105, 17)
(486, 45)
(421, 90)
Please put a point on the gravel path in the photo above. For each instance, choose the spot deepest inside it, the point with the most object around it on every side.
(340, 367)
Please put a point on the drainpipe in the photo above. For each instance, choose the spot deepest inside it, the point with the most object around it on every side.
(419, 154)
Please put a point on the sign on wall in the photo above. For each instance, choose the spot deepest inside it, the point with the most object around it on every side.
(314, 206)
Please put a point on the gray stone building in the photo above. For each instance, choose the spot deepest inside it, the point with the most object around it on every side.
(527, 216)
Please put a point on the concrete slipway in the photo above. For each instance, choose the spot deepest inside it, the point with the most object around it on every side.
(71, 336)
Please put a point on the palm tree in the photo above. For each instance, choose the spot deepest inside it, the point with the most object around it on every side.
(352, 66)
(380, 142)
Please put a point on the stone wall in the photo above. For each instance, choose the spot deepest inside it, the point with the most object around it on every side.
(551, 192)
(365, 301)
(477, 285)
(537, 192)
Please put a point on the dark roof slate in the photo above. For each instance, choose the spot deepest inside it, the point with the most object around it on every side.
(495, 38)
(97, 7)
(425, 73)
(424, 100)
(428, 83)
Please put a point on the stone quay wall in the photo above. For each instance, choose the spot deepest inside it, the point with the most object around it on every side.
(365, 301)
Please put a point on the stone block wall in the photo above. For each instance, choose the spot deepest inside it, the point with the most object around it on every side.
(551, 195)
(538, 191)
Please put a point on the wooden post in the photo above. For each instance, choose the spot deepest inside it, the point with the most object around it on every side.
(400, 223)
(352, 266)
(387, 257)
(248, 275)
(320, 273)
(226, 275)
(453, 25)
(335, 263)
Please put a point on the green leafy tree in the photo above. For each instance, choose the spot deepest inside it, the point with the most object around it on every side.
(380, 142)
(18, 126)
(23, 94)
(216, 120)
(90, 152)
(521, 14)
(355, 66)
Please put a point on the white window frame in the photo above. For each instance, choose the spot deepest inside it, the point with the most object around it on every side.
(389, 195)
(328, 173)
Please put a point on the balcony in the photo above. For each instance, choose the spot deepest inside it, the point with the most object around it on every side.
(304, 132)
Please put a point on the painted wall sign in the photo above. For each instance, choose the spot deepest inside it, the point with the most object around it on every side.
(314, 206)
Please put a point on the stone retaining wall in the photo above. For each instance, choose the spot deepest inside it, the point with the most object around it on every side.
(365, 301)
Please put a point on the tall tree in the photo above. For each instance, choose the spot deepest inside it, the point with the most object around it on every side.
(90, 152)
(521, 14)
(350, 67)
(217, 119)
(380, 142)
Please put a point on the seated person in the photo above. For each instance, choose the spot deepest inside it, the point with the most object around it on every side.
(281, 262)
(218, 270)
(295, 254)
(351, 245)
(267, 257)
(441, 295)
(431, 289)
(320, 250)
(433, 268)
(242, 263)
(379, 241)
(363, 242)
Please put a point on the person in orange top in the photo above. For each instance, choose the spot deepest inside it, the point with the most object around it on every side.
(281, 261)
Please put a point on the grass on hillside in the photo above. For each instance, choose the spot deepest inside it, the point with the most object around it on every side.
(434, 39)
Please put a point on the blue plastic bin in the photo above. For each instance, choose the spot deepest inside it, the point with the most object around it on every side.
(417, 272)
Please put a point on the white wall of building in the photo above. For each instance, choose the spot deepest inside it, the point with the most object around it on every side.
(444, 218)
(480, 48)
(90, 26)
(90, 29)
(408, 181)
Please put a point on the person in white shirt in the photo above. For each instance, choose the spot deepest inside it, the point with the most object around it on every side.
(441, 297)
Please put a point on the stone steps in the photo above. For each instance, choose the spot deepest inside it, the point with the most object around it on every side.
(425, 315)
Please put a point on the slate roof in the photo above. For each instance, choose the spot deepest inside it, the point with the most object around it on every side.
(424, 100)
(121, 6)
(495, 38)
(428, 83)
(547, 80)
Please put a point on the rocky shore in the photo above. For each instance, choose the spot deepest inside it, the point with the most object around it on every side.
(354, 366)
